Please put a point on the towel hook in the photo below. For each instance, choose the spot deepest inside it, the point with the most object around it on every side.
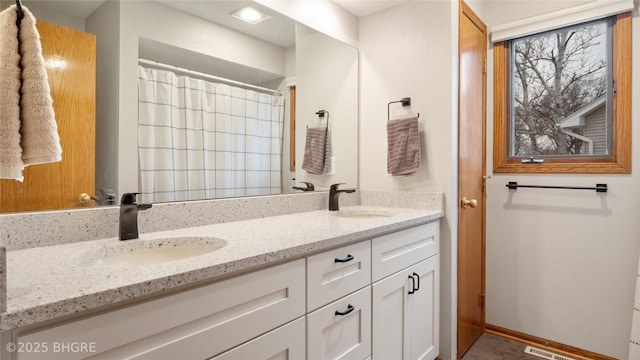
(20, 13)
(404, 101)
(321, 113)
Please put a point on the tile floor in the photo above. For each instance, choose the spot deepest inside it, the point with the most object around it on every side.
(492, 347)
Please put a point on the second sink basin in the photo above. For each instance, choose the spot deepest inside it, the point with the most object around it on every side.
(147, 252)
(364, 213)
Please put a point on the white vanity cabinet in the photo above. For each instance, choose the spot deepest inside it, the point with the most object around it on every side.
(194, 324)
(375, 299)
(339, 281)
(405, 294)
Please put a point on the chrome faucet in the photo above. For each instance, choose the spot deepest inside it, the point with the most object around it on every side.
(334, 195)
(129, 216)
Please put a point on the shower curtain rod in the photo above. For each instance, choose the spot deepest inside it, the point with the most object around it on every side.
(207, 76)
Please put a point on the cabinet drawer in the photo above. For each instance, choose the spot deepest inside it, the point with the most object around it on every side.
(284, 343)
(393, 252)
(336, 273)
(334, 336)
(182, 325)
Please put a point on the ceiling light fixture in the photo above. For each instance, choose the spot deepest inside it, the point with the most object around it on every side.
(250, 15)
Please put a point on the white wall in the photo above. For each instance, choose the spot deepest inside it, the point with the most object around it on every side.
(411, 51)
(327, 79)
(561, 264)
(105, 23)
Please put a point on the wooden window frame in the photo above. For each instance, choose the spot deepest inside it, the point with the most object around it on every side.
(619, 162)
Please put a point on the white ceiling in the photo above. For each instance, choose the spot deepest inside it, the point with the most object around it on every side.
(84, 8)
(362, 8)
(78, 8)
(278, 30)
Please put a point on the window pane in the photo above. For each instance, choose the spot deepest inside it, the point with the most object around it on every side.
(559, 93)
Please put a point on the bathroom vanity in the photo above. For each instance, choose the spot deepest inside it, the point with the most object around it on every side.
(362, 282)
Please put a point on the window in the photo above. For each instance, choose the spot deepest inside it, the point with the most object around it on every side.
(562, 100)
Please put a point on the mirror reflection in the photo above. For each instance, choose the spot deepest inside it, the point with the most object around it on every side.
(169, 124)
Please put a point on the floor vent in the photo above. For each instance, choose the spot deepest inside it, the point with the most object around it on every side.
(545, 354)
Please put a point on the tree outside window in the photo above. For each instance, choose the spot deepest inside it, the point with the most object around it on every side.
(561, 97)
(554, 75)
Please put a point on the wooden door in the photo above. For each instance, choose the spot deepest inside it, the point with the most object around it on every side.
(70, 56)
(471, 171)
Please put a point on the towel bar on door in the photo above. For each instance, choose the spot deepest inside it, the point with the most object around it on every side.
(513, 185)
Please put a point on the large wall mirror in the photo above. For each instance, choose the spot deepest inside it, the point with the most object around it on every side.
(168, 124)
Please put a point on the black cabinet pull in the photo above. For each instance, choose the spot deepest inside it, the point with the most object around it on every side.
(350, 308)
(413, 284)
(347, 259)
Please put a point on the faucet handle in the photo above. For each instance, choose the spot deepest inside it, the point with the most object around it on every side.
(334, 187)
(128, 199)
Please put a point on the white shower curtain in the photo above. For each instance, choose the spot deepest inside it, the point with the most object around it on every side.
(199, 139)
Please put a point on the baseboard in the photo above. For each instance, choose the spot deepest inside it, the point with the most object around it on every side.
(545, 344)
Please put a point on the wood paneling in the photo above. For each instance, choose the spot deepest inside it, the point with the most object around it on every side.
(70, 58)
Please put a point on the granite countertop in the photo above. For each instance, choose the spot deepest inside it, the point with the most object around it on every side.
(46, 283)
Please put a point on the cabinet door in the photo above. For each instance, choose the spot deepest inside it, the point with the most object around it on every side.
(422, 311)
(331, 335)
(406, 313)
(284, 343)
(389, 299)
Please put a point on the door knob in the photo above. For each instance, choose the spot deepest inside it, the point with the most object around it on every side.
(84, 198)
(472, 203)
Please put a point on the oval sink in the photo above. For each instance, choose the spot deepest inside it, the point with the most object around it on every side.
(364, 213)
(147, 252)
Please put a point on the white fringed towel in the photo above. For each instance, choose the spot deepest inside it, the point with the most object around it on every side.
(11, 163)
(38, 132)
(403, 146)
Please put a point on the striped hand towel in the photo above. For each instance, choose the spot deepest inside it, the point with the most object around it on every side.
(315, 150)
(403, 146)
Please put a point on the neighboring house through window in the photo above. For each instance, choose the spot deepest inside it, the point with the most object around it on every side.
(562, 99)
